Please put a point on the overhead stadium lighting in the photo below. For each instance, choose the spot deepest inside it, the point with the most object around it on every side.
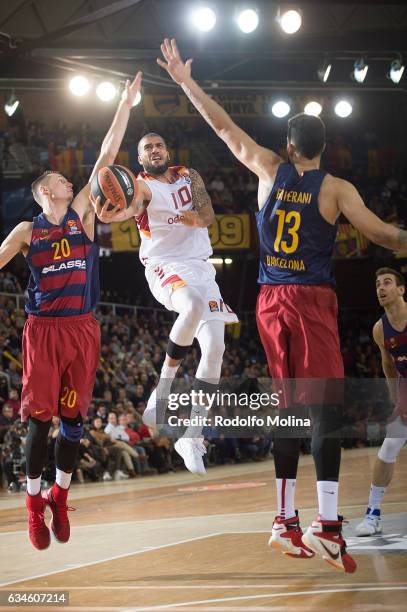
(106, 91)
(248, 20)
(11, 105)
(79, 85)
(290, 21)
(360, 70)
(204, 18)
(396, 71)
(313, 108)
(280, 109)
(324, 71)
(343, 109)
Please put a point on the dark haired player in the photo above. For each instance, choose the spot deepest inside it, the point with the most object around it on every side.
(173, 211)
(299, 206)
(61, 339)
(390, 334)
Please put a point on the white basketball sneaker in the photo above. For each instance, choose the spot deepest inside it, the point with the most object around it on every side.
(370, 524)
(192, 450)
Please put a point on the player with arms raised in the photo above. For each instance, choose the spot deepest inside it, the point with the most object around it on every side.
(173, 211)
(390, 334)
(61, 339)
(299, 206)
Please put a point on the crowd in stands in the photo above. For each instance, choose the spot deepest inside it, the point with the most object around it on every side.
(375, 168)
(116, 443)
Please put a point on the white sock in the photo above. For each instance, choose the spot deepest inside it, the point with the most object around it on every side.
(63, 479)
(33, 485)
(285, 497)
(169, 371)
(328, 499)
(167, 375)
(376, 496)
(198, 411)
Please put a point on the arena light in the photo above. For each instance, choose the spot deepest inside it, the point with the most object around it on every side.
(313, 108)
(343, 109)
(248, 20)
(290, 21)
(215, 260)
(79, 85)
(360, 70)
(280, 109)
(324, 71)
(106, 91)
(11, 105)
(204, 18)
(396, 71)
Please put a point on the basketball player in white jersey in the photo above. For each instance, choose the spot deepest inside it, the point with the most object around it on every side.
(173, 211)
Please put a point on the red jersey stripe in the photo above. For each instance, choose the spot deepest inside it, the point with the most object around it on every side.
(56, 281)
(46, 258)
(62, 303)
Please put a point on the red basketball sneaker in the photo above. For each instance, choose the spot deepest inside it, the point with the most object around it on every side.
(286, 536)
(55, 498)
(37, 530)
(325, 538)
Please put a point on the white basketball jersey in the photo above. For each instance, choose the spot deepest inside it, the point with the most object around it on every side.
(162, 234)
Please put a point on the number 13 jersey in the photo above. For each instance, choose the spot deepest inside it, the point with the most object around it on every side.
(296, 243)
(162, 234)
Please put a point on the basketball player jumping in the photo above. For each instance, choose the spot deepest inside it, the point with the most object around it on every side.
(299, 206)
(173, 211)
(61, 339)
(389, 334)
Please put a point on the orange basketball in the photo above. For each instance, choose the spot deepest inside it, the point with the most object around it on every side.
(114, 183)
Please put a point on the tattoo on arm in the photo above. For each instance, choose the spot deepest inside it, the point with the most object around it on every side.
(200, 198)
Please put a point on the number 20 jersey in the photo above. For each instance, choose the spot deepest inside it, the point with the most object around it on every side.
(296, 243)
(64, 265)
(162, 234)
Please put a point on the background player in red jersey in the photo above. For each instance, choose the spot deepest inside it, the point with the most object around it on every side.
(296, 310)
(389, 333)
(61, 340)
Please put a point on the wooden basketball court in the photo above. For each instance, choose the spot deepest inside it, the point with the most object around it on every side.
(177, 542)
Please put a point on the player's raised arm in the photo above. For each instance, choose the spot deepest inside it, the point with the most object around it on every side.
(259, 160)
(111, 143)
(203, 214)
(388, 365)
(18, 240)
(352, 206)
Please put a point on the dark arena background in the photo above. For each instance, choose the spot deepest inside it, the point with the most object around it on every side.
(152, 536)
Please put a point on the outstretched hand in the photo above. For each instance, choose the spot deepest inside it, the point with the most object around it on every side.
(174, 65)
(131, 89)
(106, 213)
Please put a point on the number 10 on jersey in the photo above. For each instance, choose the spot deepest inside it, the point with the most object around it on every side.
(182, 197)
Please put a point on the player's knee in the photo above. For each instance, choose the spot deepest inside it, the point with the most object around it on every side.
(390, 449)
(72, 429)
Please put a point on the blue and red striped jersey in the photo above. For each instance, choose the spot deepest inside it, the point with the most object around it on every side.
(296, 243)
(64, 265)
(396, 343)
